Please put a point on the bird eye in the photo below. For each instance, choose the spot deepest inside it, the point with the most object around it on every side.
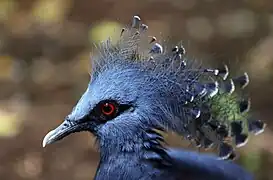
(108, 109)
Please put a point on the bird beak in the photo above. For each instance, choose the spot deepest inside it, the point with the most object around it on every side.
(74, 122)
(59, 133)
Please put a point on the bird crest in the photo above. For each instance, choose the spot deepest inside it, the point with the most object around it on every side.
(138, 85)
(210, 107)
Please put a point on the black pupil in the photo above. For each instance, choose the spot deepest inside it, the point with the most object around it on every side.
(107, 108)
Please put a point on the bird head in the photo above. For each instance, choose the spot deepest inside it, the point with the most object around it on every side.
(134, 89)
(117, 103)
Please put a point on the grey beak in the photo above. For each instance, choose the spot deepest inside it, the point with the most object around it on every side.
(72, 123)
(59, 133)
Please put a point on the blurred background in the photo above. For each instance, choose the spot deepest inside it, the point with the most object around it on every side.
(45, 48)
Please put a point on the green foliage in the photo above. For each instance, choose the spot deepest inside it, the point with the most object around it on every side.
(225, 107)
(252, 161)
(103, 31)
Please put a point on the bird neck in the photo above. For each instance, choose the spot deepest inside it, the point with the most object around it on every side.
(120, 145)
(132, 143)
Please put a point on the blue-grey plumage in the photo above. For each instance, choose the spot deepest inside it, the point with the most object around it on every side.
(135, 89)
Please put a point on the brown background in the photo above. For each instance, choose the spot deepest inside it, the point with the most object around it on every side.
(44, 54)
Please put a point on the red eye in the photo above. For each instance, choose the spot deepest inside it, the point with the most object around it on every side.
(108, 109)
